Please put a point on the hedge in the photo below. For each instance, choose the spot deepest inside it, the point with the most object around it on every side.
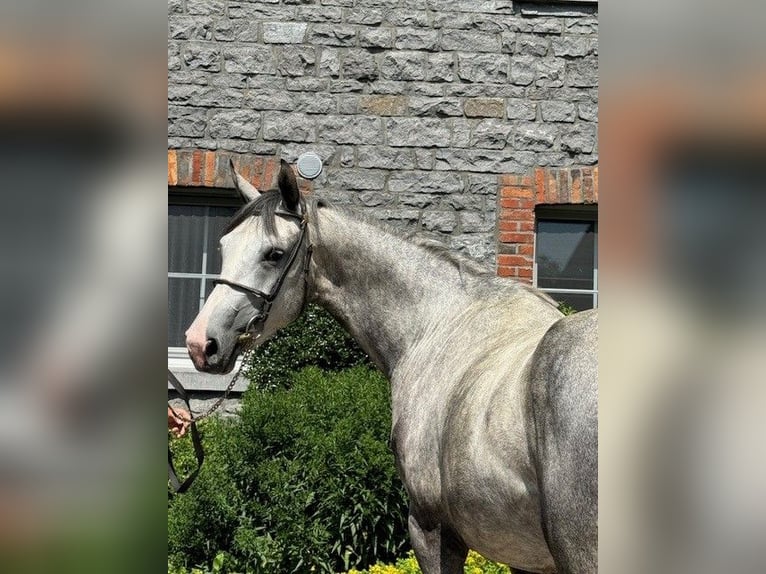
(303, 480)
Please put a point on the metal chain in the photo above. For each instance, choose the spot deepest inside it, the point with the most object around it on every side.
(246, 354)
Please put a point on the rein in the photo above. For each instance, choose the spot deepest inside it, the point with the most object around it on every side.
(246, 339)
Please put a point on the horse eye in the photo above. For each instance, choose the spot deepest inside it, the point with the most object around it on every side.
(274, 255)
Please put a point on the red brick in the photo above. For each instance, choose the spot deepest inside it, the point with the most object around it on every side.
(525, 272)
(551, 191)
(595, 183)
(540, 185)
(172, 167)
(575, 193)
(587, 184)
(209, 176)
(507, 271)
(516, 192)
(508, 225)
(522, 214)
(515, 260)
(526, 250)
(508, 237)
(526, 226)
(196, 167)
(563, 186)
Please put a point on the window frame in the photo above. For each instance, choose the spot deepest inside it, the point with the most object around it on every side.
(178, 357)
(568, 213)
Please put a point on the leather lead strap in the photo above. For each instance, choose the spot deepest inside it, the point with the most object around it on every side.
(176, 484)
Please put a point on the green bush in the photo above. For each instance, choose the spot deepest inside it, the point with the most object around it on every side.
(316, 339)
(303, 481)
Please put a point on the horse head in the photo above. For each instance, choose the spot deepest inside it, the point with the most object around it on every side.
(262, 287)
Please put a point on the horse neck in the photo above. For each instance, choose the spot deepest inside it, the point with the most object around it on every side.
(385, 290)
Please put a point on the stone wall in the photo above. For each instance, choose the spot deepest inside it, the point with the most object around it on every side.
(416, 106)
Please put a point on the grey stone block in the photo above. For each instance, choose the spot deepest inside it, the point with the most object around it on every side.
(534, 137)
(376, 37)
(574, 46)
(419, 200)
(490, 134)
(225, 30)
(385, 157)
(418, 132)
(288, 127)
(484, 68)
(425, 182)
(403, 66)
(205, 7)
(268, 99)
(523, 70)
(461, 201)
(557, 111)
(476, 160)
(429, 106)
(249, 60)
(189, 28)
(181, 77)
(520, 109)
(174, 57)
(416, 39)
(314, 103)
(175, 6)
(239, 124)
(403, 17)
(205, 96)
(531, 45)
(347, 87)
(581, 139)
(365, 15)
(284, 32)
(389, 87)
(426, 89)
(357, 179)
(307, 84)
(582, 73)
(550, 73)
(376, 198)
(424, 159)
(329, 62)
(461, 132)
(482, 185)
(588, 111)
(587, 26)
(398, 217)
(319, 14)
(360, 65)
(186, 122)
(440, 68)
(331, 35)
(537, 25)
(350, 130)
(297, 60)
(478, 247)
(470, 41)
(489, 6)
(348, 104)
(202, 56)
(441, 221)
(476, 222)
(508, 42)
(258, 11)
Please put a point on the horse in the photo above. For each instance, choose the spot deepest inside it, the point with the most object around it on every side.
(494, 390)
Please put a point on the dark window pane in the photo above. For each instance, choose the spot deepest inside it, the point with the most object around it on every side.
(218, 219)
(579, 301)
(183, 305)
(186, 229)
(565, 254)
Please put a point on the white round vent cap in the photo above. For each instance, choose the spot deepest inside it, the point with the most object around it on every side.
(309, 165)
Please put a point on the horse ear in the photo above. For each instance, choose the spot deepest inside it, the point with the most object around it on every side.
(246, 190)
(288, 186)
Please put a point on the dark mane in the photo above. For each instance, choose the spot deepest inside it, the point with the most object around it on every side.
(264, 205)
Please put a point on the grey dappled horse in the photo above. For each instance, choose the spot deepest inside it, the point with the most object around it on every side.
(494, 393)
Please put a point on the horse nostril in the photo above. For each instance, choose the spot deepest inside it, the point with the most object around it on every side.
(211, 347)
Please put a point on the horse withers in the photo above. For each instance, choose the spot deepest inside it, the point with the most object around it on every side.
(494, 392)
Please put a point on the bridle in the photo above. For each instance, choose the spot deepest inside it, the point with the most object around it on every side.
(268, 298)
(245, 339)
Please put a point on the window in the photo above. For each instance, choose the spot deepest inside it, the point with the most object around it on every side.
(566, 254)
(195, 224)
